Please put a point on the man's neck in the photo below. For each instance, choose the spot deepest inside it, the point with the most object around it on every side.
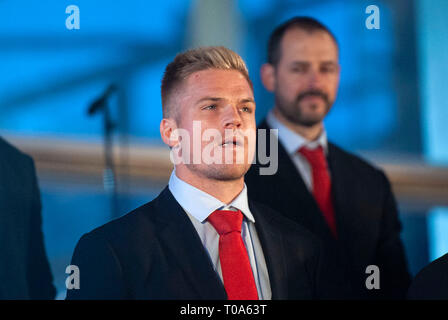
(309, 133)
(225, 191)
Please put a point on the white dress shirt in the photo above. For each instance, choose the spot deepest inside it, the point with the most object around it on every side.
(292, 142)
(198, 205)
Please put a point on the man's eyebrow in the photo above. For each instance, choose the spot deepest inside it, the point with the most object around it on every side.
(217, 99)
(247, 100)
(330, 62)
(297, 62)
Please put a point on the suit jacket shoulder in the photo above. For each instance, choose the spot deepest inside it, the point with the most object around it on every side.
(15, 161)
(431, 282)
(127, 228)
(354, 162)
(27, 273)
(9, 148)
(120, 250)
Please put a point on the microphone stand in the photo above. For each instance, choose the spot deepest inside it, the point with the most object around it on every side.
(109, 178)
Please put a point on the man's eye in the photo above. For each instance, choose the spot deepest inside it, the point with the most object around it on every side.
(328, 70)
(297, 70)
(210, 107)
(246, 109)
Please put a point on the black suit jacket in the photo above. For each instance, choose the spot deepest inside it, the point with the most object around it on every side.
(366, 216)
(154, 252)
(24, 268)
(431, 283)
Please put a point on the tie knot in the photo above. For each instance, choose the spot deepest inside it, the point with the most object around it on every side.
(315, 156)
(226, 221)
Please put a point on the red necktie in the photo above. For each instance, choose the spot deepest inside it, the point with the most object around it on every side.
(235, 266)
(321, 184)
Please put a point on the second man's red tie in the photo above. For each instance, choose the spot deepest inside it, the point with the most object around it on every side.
(235, 266)
(321, 184)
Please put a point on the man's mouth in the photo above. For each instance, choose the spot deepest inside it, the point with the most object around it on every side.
(313, 95)
(232, 142)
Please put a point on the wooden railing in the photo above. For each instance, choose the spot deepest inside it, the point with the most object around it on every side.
(417, 186)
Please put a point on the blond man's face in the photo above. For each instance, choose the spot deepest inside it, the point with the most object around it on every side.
(216, 109)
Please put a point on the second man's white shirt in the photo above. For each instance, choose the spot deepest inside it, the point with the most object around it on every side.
(292, 142)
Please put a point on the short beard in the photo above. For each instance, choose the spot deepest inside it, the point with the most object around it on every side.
(292, 111)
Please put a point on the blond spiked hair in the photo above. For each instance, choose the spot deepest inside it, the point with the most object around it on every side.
(194, 60)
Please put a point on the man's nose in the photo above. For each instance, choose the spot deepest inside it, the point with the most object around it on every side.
(315, 79)
(231, 117)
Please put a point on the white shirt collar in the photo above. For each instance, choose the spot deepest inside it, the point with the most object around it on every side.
(200, 204)
(293, 141)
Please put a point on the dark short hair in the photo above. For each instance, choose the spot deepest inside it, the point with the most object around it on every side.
(304, 23)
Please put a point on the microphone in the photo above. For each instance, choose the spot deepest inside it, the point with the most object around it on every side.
(99, 103)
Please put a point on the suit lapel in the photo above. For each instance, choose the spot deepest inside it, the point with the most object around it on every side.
(272, 244)
(181, 239)
(351, 218)
(339, 198)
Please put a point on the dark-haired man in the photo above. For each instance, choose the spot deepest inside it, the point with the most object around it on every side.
(341, 198)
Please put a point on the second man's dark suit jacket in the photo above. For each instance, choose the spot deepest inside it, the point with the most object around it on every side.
(366, 216)
(154, 252)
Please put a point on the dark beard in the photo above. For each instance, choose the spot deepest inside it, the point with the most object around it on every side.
(292, 111)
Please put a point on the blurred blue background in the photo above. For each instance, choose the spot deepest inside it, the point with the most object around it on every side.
(391, 102)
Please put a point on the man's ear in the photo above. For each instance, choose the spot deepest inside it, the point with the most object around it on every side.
(167, 132)
(267, 73)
